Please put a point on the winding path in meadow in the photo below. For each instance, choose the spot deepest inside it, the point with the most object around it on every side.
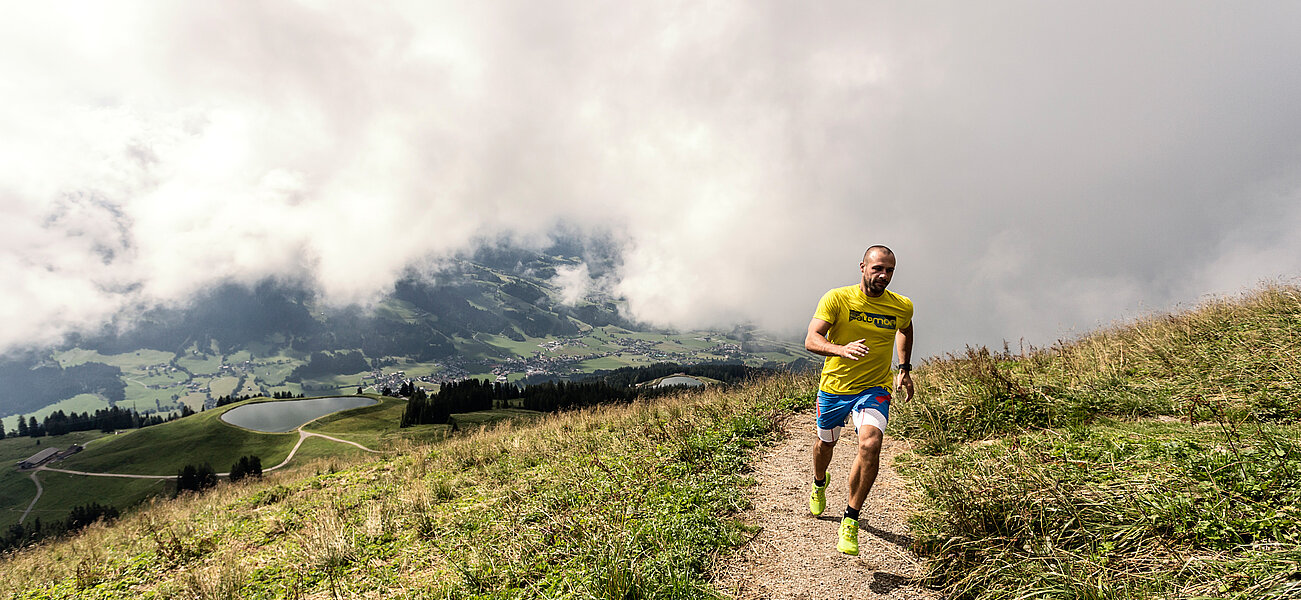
(39, 490)
(794, 555)
(302, 436)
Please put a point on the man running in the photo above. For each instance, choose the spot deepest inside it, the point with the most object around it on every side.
(855, 327)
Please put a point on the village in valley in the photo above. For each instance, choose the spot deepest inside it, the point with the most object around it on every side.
(559, 358)
(157, 383)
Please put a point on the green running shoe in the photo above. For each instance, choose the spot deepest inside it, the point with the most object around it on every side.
(848, 543)
(818, 499)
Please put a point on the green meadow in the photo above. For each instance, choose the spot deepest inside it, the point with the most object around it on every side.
(165, 449)
(1158, 459)
(16, 487)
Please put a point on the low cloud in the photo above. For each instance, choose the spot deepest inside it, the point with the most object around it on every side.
(573, 282)
(1039, 169)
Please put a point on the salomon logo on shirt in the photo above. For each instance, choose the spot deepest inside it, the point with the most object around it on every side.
(882, 321)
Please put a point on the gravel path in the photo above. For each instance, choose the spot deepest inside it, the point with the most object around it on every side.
(794, 554)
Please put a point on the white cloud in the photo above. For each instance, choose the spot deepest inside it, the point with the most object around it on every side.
(1037, 168)
(574, 283)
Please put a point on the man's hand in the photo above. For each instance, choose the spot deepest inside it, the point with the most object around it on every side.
(853, 350)
(816, 342)
(904, 380)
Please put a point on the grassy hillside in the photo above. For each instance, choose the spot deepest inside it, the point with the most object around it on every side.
(16, 487)
(623, 501)
(1160, 459)
(1154, 460)
(165, 449)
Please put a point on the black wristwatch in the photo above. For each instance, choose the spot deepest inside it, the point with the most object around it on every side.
(906, 367)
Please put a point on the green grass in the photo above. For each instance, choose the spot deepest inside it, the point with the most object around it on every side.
(1155, 460)
(524, 348)
(165, 449)
(194, 400)
(374, 426)
(273, 371)
(1113, 510)
(477, 348)
(1079, 489)
(413, 368)
(293, 388)
(318, 449)
(14, 449)
(200, 364)
(64, 491)
(165, 378)
(128, 361)
(612, 362)
(484, 418)
(222, 386)
(144, 399)
(251, 388)
(401, 310)
(16, 487)
(16, 492)
(339, 381)
(78, 403)
(619, 502)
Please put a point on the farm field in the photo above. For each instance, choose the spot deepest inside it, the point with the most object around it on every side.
(16, 487)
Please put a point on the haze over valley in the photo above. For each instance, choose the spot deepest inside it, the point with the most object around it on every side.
(503, 314)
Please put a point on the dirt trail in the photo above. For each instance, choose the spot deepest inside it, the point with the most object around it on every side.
(794, 554)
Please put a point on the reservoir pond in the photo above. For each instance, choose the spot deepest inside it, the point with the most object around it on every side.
(680, 380)
(288, 415)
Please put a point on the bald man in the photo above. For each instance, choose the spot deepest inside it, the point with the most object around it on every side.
(855, 327)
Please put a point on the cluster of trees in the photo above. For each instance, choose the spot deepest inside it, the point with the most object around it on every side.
(550, 396)
(195, 478)
(247, 466)
(224, 400)
(474, 395)
(725, 372)
(456, 397)
(86, 514)
(105, 419)
(566, 395)
(19, 535)
(323, 364)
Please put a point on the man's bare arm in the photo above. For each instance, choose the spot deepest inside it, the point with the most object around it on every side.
(903, 346)
(816, 342)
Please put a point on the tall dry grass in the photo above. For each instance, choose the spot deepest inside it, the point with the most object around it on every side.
(1233, 357)
(614, 501)
(1070, 496)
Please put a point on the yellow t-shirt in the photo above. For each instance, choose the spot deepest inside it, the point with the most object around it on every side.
(853, 316)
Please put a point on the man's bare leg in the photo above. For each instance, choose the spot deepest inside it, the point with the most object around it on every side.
(821, 458)
(863, 474)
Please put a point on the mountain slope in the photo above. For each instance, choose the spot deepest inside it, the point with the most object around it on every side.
(496, 314)
(1037, 481)
(1156, 459)
(622, 501)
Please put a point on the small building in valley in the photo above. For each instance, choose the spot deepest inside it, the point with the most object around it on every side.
(38, 459)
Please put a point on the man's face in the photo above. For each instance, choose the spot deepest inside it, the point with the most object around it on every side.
(877, 268)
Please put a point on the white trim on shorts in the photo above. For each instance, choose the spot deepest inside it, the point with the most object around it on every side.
(870, 416)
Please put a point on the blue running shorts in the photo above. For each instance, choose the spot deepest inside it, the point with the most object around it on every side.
(870, 406)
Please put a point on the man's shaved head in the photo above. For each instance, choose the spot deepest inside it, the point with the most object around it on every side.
(887, 251)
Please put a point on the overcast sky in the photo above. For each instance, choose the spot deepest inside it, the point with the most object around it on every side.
(1040, 169)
